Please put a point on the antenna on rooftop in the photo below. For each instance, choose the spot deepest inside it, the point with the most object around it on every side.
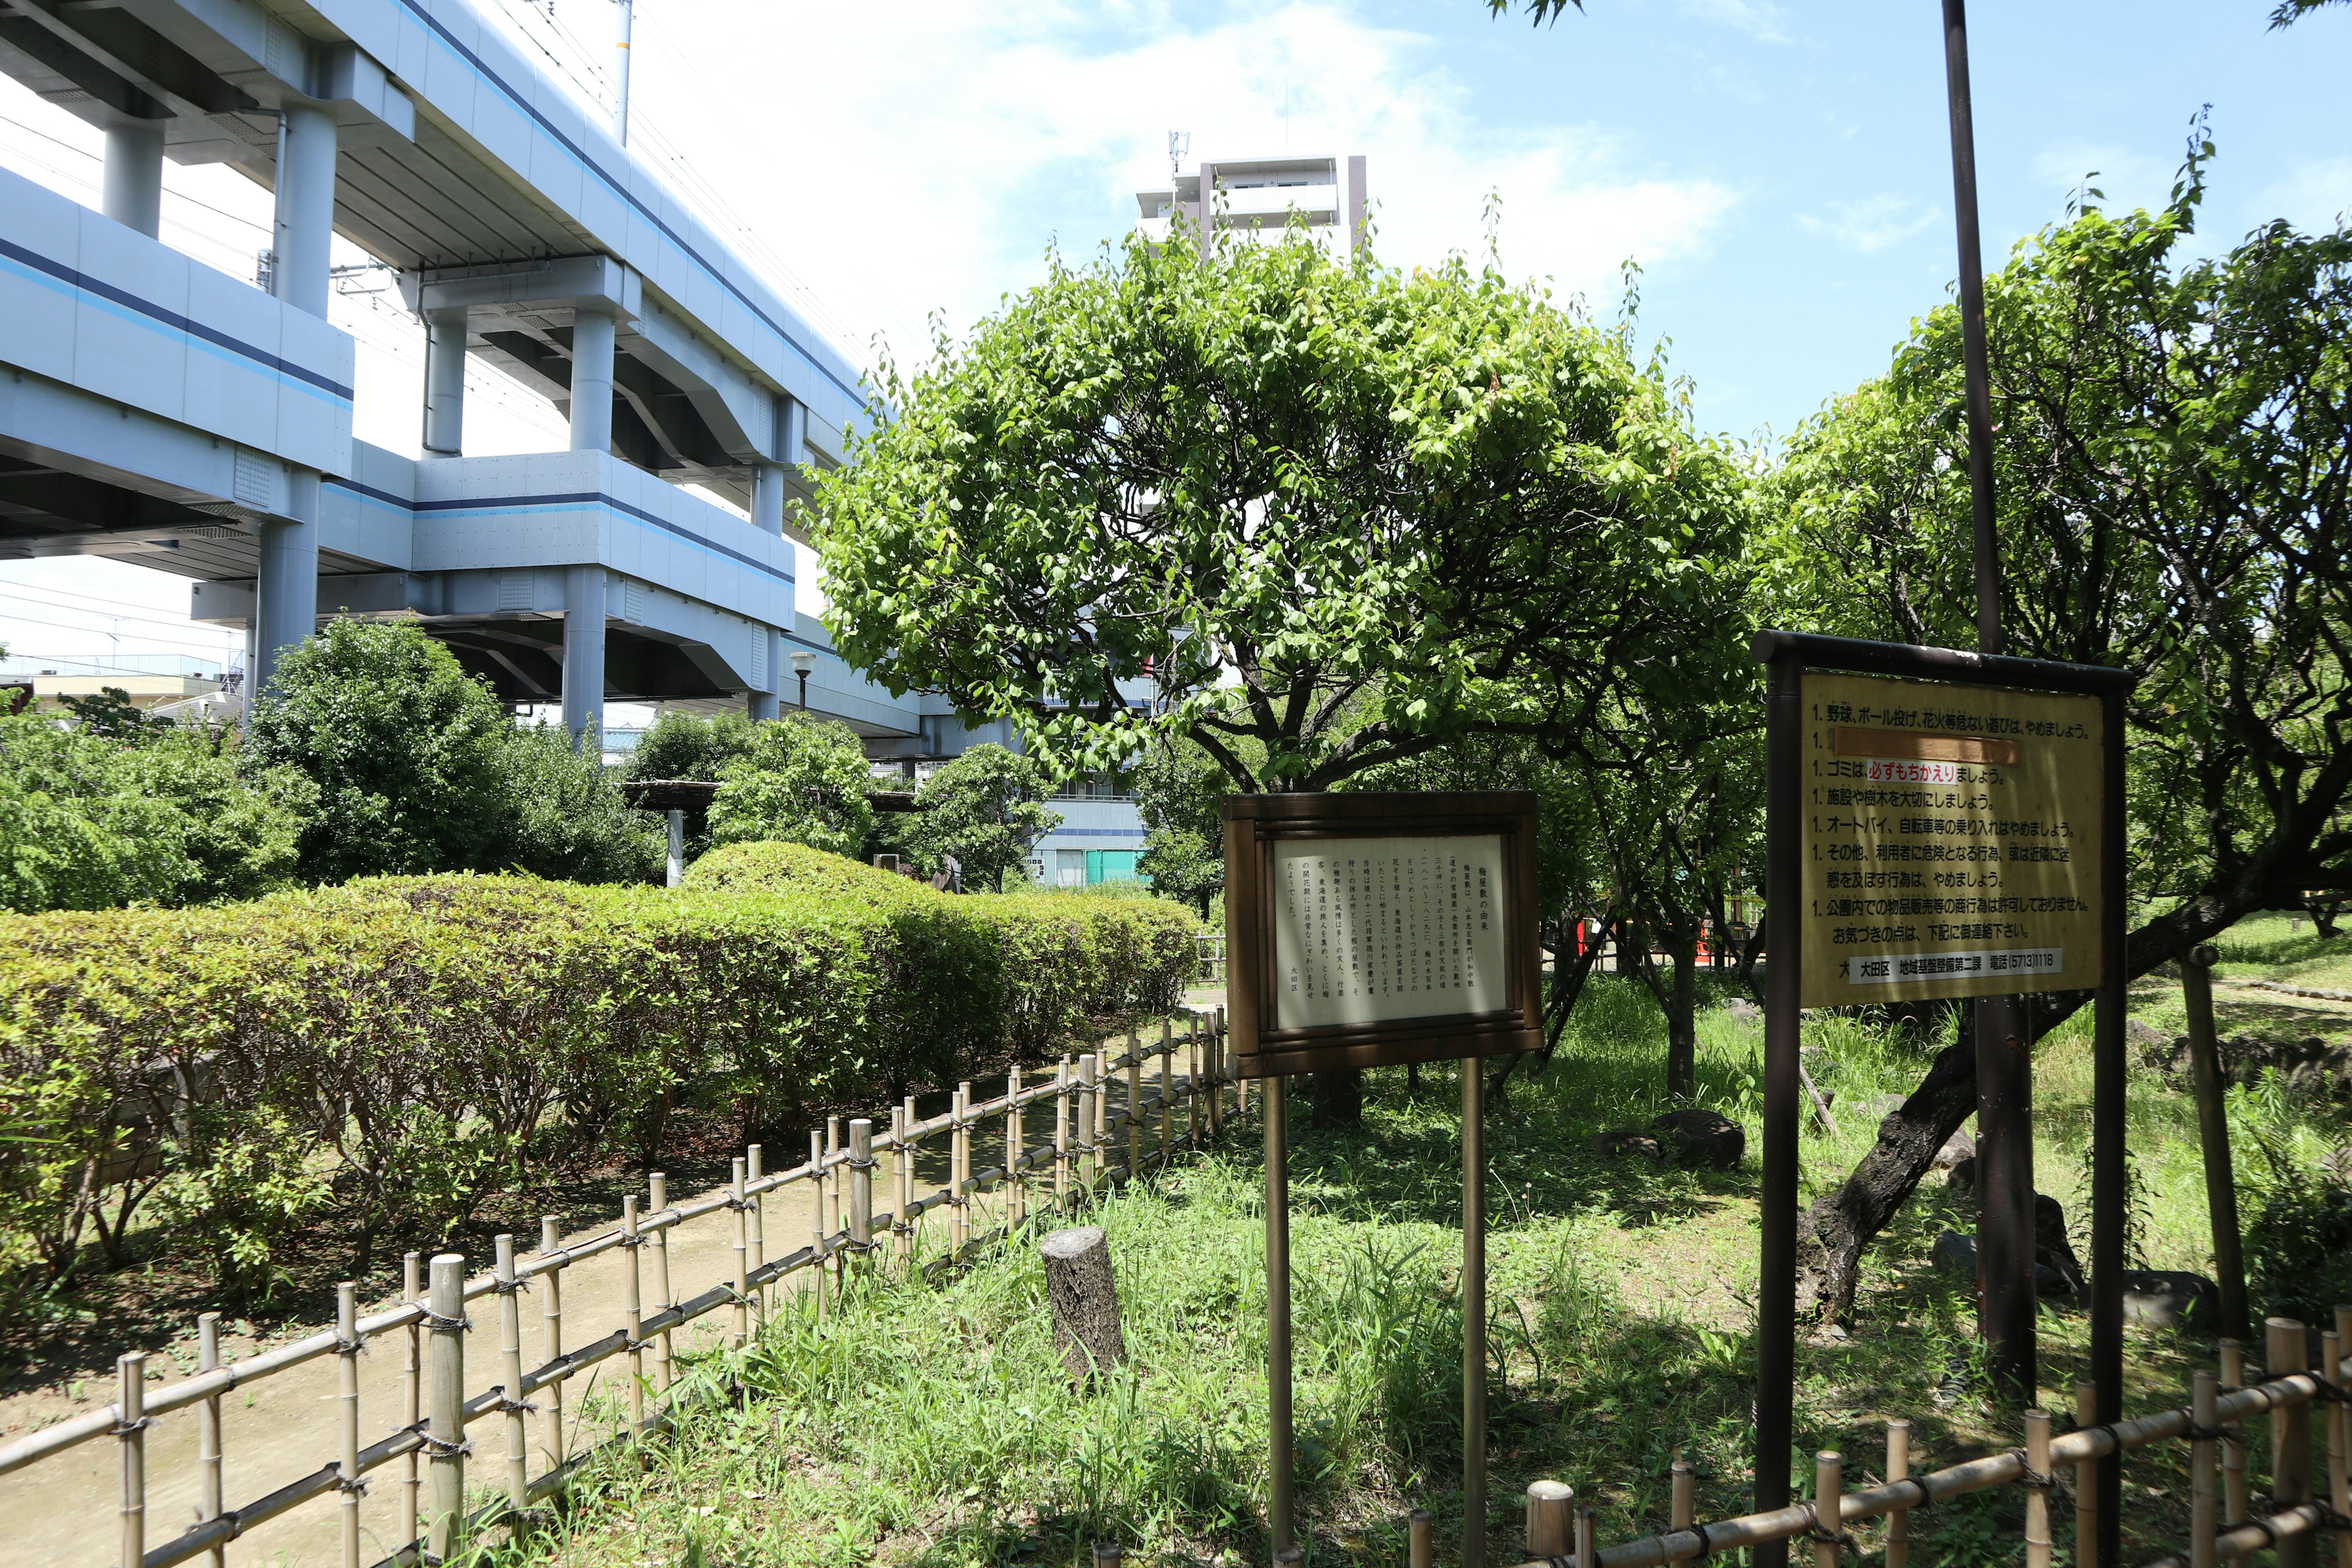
(1179, 143)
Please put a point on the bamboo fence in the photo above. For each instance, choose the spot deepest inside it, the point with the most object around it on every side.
(2225, 1524)
(1081, 1155)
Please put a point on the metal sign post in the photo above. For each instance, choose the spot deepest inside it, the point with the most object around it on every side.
(1362, 931)
(1939, 825)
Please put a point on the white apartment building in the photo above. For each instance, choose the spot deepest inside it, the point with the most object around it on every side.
(1260, 197)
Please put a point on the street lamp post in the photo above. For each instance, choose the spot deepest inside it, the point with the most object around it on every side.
(804, 665)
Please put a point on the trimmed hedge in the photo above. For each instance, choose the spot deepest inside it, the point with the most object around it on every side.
(433, 1034)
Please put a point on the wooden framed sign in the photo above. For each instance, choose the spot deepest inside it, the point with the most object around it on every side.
(1365, 929)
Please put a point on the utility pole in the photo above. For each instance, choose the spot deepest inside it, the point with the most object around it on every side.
(621, 72)
(2005, 1254)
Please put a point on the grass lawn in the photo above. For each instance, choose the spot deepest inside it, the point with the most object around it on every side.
(932, 1425)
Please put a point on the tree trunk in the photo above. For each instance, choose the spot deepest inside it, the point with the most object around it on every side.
(1339, 1097)
(1085, 1299)
(1682, 1016)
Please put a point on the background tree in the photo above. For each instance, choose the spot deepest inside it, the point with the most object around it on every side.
(403, 746)
(986, 808)
(800, 780)
(684, 745)
(566, 819)
(2174, 459)
(1180, 794)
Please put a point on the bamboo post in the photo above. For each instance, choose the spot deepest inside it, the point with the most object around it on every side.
(1898, 1467)
(1016, 1189)
(960, 1170)
(817, 1174)
(2203, 1522)
(1828, 1491)
(2037, 1492)
(2289, 1352)
(1212, 1063)
(1102, 1060)
(633, 1307)
(1108, 1554)
(347, 1354)
(2086, 1479)
(861, 1185)
(2339, 1423)
(446, 1523)
(755, 1168)
(1587, 1538)
(1134, 1108)
(2233, 1445)
(411, 1403)
(832, 1207)
(1088, 1127)
(1421, 1548)
(510, 1350)
(741, 1206)
(131, 1443)
(664, 1369)
(551, 1339)
(209, 1491)
(1549, 1505)
(1062, 1135)
(902, 1229)
(1681, 1506)
(1192, 1078)
(1167, 1092)
(907, 1218)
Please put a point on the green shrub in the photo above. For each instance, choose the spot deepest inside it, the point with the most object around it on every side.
(97, 815)
(799, 781)
(984, 808)
(565, 816)
(429, 1037)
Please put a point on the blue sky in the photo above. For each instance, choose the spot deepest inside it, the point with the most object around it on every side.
(1779, 170)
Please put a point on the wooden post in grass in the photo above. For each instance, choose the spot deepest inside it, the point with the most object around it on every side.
(210, 1497)
(2213, 1135)
(1550, 1507)
(2086, 1478)
(1828, 1516)
(1192, 1078)
(2332, 1346)
(2204, 1507)
(2288, 1351)
(447, 1515)
(550, 1316)
(1213, 1055)
(510, 1354)
(665, 1368)
(960, 1170)
(632, 1309)
(833, 1220)
(1062, 1152)
(2037, 1491)
(1898, 1467)
(1588, 1532)
(755, 1166)
(412, 1402)
(861, 1185)
(902, 1224)
(1134, 1108)
(818, 1203)
(1083, 1295)
(1421, 1539)
(1089, 1144)
(2233, 1448)
(131, 1445)
(739, 1205)
(1102, 1060)
(1016, 1183)
(1167, 1092)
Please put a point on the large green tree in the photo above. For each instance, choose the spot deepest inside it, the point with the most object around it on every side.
(985, 807)
(2173, 450)
(799, 780)
(1327, 513)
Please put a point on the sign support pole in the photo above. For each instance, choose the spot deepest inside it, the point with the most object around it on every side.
(1776, 1316)
(1474, 1314)
(2109, 1132)
(1271, 1097)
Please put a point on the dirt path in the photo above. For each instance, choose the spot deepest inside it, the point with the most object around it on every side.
(61, 1512)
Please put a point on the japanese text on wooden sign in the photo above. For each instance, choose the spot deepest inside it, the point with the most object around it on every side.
(1369, 929)
(1950, 839)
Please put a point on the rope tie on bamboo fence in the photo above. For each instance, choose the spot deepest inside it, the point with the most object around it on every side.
(123, 1428)
(2193, 1433)
(629, 1241)
(435, 1321)
(506, 1406)
(2027, 1476)
(1818, 1532)
(440, 1449)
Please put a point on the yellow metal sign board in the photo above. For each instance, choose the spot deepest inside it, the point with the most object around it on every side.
(1951, 841)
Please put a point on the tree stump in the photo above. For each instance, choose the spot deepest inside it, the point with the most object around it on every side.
(1085, 1298)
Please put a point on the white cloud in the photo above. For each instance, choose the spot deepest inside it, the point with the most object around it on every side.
(1758, 20)
(1872, 223)
(2314, 197)
(2126, 179)
(912, 158)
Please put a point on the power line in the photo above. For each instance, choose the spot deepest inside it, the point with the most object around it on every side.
(78, 610)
